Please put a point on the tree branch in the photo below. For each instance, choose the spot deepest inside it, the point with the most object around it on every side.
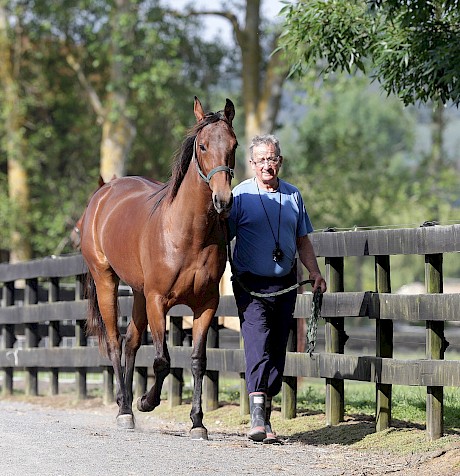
(92, 94)
(221, 13)
(276, 73)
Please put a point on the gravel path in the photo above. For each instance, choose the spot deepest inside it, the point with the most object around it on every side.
(46, 441)
(37, 440)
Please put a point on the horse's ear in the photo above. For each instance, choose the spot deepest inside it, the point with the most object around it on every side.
(198, 110)
(229, 110)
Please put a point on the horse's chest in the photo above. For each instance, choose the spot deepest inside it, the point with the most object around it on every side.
(203, 271)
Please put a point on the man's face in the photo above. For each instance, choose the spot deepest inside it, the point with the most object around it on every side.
(266, 164)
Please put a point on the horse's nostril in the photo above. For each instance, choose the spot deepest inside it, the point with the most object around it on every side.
(222, 205)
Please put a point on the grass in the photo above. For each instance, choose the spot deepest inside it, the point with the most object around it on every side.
(408, 403)
(406, 436)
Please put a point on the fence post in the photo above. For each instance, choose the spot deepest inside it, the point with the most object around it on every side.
(141, 374)
(435, 347)
(289, 386)
(32, 338)
(384, 345)
(80, 340)
(9, 338)
(211, 377)
(176, 376)
(54, 337)
(244, 397)
(334, 343)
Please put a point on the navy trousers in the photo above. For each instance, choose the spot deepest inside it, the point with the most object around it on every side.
(265, 326)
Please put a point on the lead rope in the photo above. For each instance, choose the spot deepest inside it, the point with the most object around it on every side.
(312, 327)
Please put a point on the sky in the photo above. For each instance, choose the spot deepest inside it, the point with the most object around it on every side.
(215, 24)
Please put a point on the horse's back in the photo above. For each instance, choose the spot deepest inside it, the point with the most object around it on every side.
(114, 221)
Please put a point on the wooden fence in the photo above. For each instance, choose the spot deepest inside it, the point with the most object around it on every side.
(39, 305)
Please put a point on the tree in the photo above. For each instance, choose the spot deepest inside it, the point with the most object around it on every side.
(410, 47)
(13, 115)
(126, 55)
(263, 68)
(355, 172)
(165, 65)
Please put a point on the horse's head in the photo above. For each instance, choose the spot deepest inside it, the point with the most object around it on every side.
(214, 153)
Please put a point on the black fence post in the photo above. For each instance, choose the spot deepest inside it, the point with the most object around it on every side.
(435, 347)
(54, 337)
(384, 345)
(31, 335)
(334, 337)
(80, 339)
(9, 337)
(289, 385)
(211, 377)
(141, 374)
(176, 376)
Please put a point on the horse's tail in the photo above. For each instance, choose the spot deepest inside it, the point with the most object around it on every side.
(94, 323)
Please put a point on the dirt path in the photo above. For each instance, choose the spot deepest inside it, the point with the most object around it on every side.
(53, 440)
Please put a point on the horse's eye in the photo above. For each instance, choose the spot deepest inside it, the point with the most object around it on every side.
(202, 147)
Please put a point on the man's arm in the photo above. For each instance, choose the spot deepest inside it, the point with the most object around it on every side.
(308, 258)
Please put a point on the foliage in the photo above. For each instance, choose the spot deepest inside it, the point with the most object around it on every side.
(352, 172)
(410, 47)
(168, 64)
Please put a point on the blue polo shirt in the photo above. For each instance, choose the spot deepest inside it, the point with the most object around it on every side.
(254, 239)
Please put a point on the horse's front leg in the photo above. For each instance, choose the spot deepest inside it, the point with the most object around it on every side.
(156, 315)
(201, 322)
(133, 339)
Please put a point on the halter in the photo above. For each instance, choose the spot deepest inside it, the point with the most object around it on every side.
(220, 168)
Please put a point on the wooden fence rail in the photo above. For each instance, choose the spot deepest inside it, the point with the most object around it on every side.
(42, 301)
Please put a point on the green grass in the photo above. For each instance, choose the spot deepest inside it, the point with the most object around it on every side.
(406, 436)
(408, 403)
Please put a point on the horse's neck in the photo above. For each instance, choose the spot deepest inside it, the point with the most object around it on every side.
(193, 203)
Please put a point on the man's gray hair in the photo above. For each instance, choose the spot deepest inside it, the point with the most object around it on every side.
(266, 139)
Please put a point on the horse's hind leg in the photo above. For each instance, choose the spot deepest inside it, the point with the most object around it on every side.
(133, 339)
(107, 296)
(161, 360)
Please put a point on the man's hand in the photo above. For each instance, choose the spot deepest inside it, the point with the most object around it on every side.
(319, 282)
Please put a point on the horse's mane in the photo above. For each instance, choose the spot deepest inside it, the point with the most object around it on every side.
(182, 159)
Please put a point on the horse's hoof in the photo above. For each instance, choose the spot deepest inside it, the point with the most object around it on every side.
(199, 433)
(125, 422)
(139, 405)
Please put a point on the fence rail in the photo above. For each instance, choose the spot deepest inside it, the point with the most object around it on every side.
(45, 310)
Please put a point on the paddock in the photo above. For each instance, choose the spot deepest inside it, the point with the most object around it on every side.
(43, 311)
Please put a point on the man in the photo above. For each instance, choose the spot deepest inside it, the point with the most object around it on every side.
(270, 223)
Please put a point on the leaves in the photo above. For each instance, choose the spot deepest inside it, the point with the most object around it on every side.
(165, 63)
(412, 47)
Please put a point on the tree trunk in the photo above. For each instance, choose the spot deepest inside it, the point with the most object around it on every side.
(262, 80)
(118, 131)
(117, 139)
(262, 86)
(13, 116)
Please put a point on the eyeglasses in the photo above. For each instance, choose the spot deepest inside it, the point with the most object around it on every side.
(271, 161)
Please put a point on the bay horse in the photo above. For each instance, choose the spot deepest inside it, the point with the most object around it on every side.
(166, 241)
(75, 234)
